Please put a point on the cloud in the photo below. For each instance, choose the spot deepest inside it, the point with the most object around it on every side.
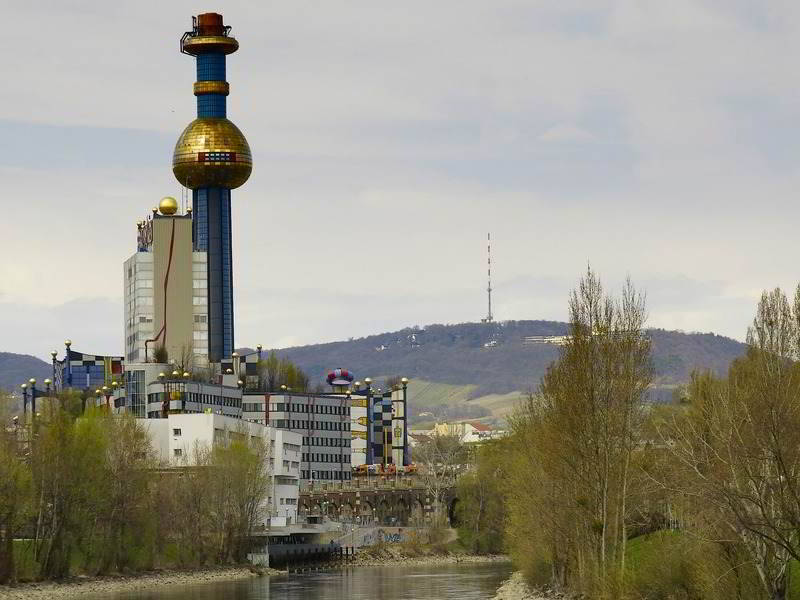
(654, 139)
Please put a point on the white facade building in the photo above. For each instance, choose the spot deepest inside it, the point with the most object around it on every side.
(175, 438)
(138, 304)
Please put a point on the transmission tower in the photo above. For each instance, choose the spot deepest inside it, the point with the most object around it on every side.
(489, 318)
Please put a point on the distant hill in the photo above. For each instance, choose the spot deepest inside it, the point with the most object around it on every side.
(492, 359)
(465, 370)
(18, 368)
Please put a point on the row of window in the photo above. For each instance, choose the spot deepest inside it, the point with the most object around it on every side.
(319, 409)
(337, 442)
(199, 399)
(314, 475)
(324, 457)
(316, 425)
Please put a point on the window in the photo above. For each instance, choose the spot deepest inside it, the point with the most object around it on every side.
(176, 432)
(177, 452)
(201, 318)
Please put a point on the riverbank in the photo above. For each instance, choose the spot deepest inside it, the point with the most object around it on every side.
(83, 586)
(515, 588)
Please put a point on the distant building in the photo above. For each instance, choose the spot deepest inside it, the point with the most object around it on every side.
(82, 371)
(176, 437)
(468, 431)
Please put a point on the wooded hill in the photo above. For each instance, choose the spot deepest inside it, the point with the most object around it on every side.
(494, 358)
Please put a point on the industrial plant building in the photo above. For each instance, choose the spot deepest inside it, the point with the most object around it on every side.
(179, 363)
(322, 420)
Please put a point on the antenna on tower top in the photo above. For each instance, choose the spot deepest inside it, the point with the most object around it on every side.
(489, 318)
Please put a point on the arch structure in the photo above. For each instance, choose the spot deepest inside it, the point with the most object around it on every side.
(390, 507)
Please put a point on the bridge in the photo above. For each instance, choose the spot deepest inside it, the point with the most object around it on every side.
(402, 501)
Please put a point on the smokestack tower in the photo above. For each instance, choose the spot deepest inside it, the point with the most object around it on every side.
(212, 157)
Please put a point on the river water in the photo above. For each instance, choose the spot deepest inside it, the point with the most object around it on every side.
(444, 582)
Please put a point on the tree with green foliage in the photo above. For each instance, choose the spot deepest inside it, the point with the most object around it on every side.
(738, 447)
(481, 504)
(16, 487)
(276, 372)
(574, 445)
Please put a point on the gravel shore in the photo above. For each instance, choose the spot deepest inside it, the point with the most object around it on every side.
(83, 586)
(515, 588)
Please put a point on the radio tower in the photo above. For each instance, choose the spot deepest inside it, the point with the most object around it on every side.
(489, 318)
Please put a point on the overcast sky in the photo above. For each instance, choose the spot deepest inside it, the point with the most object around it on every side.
(656, 139)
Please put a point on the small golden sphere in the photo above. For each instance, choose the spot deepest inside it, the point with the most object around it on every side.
(168, 206)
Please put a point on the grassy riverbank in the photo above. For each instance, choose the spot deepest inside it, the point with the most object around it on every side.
(413, 553)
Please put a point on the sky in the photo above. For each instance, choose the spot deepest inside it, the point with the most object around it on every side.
(651, 139)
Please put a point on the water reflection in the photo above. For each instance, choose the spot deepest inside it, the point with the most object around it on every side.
(461, 582)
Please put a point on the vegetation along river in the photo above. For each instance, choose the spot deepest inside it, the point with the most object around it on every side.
(441, 582)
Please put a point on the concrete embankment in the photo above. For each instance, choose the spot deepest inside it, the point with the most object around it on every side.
(101, 587)
(515, 588)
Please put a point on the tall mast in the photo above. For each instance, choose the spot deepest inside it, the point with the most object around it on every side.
(489, 317)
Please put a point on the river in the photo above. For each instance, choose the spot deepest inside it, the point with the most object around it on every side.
(441, 582)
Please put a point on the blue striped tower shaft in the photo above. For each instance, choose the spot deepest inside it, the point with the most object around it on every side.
(212, 223)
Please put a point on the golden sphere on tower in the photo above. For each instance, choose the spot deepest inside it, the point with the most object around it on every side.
(212, 152)
(168, 206)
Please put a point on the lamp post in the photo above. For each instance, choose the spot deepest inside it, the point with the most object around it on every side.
(53, 355)
(114, 388)
(406, 449)
(24, 387)
(68, 361)
(370, 417)
(221, 379)
(341, 437)
(32, 383)
(165, 398)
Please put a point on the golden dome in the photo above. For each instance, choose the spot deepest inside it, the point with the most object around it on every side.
(212, 152)
(168, 206)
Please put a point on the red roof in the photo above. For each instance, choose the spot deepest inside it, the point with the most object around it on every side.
(479, 426)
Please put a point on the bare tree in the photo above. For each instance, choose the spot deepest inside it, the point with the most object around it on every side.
(739, 445)
(441, 459)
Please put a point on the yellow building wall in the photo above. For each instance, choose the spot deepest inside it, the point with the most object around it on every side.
(172, 307)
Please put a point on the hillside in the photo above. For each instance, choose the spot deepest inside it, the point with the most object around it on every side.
(18, 368)
(469, 370)
(458, 355)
